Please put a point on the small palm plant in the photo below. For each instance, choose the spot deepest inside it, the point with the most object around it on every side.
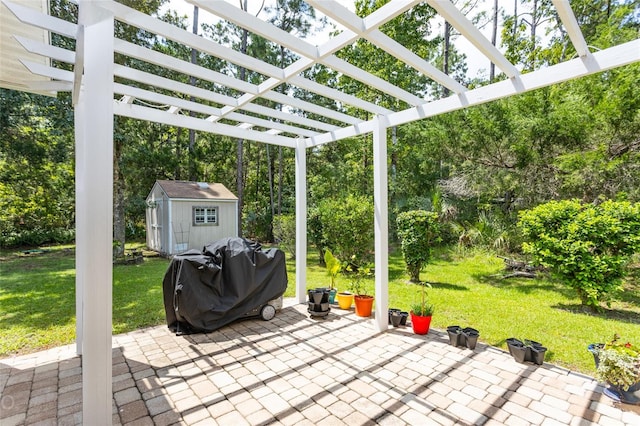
(423, 308)
(333, 267)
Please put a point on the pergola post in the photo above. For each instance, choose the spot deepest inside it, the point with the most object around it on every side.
(381, 223)
(94, 209)
(301, 220)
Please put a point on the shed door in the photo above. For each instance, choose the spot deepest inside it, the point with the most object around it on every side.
(156, 227)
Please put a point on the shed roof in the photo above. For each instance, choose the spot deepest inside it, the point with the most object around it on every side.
(195, 190)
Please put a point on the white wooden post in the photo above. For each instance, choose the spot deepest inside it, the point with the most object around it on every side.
(94, 206)
(301, 221)
(81, 217)
(381, 223)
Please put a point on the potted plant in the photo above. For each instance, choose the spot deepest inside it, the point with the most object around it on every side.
(421, 313)
(362, 300)
(618, 364)
(333, 266)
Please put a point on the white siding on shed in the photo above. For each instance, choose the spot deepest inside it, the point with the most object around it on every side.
(170, 217)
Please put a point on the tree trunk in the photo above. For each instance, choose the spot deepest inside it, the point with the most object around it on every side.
(178, 174)
(445, 60)
(239, 182)
(280, 178)
(534, 24)
(119, 228)
(494, 33)
(271, 198)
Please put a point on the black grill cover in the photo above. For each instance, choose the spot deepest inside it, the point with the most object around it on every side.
(231, 277)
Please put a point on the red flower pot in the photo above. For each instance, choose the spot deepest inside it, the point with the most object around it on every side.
(420, 324)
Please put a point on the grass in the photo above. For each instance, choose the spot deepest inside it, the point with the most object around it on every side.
(469, 291)
(37, 298)
(37, 302)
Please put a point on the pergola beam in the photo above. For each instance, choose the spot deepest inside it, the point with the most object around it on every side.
(33, 17)
(355, 24)
(571, 26)
(612, 57)
(271, 32)
(451, 14)
(178, 120)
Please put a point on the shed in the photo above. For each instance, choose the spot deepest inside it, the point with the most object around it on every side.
(183, 215)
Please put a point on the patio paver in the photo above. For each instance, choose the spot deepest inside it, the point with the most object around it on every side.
(297, 370)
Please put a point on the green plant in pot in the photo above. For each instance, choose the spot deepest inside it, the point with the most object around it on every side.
(422, 312)
(618, 364)
(363, 300)
(334, 266)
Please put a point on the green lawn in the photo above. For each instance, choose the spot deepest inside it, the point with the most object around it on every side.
(37, 302)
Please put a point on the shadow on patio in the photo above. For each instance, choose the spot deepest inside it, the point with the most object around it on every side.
(300, 370)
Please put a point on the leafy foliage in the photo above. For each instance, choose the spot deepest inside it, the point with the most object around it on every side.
(585, 245)
(423, 308)
(333, 266)
(619, 363)
(359, 278)
(346, 227)
(418, 232)
(284, 233)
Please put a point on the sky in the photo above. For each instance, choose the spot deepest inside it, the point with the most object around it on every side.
(477, 63)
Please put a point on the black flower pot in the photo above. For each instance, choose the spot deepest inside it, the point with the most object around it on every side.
(396, 317)
(630, 396)
(403, 317)
(316, 296)
(513, 342)
(537, 353)
(519, 353)
(470, 337)
(455, 335)
(528, 351)
(391, 311)
(517, 349)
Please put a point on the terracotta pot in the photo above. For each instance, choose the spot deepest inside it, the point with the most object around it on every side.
(345, 300)
(364, 305)
(420, 324)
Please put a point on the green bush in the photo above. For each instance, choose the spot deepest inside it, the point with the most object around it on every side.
(586, 246)
(37, 237)
(284, 233)
(346, 226)
(314, 231)
(418, 232)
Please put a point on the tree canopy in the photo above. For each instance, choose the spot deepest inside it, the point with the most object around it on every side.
(579, 139)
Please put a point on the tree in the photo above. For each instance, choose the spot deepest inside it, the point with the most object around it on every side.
(587, 246)
(418, 232)
(346, 227)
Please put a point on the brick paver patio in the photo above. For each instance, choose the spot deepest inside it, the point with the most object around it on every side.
(297, 370)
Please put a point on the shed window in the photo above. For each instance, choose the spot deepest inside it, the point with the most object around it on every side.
(205, 215)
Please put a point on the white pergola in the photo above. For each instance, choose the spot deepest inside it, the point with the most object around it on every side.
(102, 89)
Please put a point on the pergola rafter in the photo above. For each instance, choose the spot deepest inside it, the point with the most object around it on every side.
(223, 104)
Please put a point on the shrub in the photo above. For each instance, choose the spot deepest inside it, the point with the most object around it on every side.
(347, 227)
(284, 233)
(586, 246)
(37, 237)
(418, 232)
(314, 231)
